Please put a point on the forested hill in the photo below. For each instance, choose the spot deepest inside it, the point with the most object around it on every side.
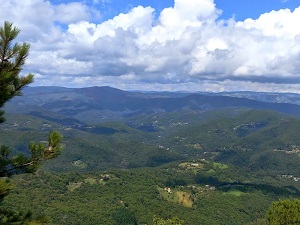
(203, 158)
(98, 104)
(221, 167)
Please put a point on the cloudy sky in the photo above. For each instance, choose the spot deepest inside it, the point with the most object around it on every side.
(181, 45)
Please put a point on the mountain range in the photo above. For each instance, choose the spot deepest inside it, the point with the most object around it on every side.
(224, 157)
(100, 104)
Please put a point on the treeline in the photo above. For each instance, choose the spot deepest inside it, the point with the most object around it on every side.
(133, 196)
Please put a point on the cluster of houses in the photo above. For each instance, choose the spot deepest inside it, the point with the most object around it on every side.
(179, 124)
(167, 189)
(206, 188)
(195, 164)
(104, 177)
(162, 147)
(294, 149)
(291, 177)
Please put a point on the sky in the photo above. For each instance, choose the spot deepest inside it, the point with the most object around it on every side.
(180, 45)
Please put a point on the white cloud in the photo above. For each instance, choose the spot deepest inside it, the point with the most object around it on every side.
(186, 47)
(71, 13)
(51, 62)
(95, 2)
(282, 23)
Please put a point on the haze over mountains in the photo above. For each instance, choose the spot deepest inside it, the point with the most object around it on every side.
(98, 104)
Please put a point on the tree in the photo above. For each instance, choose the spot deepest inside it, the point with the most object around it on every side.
(171, 221)
(124, 216)
(12, 59)
(21, 164)
(284, 212)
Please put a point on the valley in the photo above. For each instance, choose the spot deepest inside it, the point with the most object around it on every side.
(204, 159)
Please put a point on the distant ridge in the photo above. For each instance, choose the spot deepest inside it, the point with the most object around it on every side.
(107, 103)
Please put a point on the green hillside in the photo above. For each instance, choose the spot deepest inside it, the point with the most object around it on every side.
(219, 167)
(96, 198)
(88, 147)
(258, 140)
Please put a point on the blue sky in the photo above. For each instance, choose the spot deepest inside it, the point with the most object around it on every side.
(240, 9)
(243, 9)
(180, 45)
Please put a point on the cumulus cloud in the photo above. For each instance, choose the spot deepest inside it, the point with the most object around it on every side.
(72, 12)
(186, 46)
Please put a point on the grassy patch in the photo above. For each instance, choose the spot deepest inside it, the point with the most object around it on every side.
(90, 180)
(184, 198)
(73, 186)
(211, 171)
(220, 166)
(183, 165)
(195, 146)
(169, 196)
(174, 196)
(235, 193)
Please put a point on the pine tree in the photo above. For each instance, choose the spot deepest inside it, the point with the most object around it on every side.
(12, 59)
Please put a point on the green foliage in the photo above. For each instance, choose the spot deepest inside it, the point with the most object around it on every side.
(5, 186)
(12, 58)
(135, 193)
(241, 196)
(284, 212)
(123, 216)
(258, 140)
(172, 221)
(173, 182)
(264, 147)
(261, 221)
(13, 217)
(21, 164)
(39, 152)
